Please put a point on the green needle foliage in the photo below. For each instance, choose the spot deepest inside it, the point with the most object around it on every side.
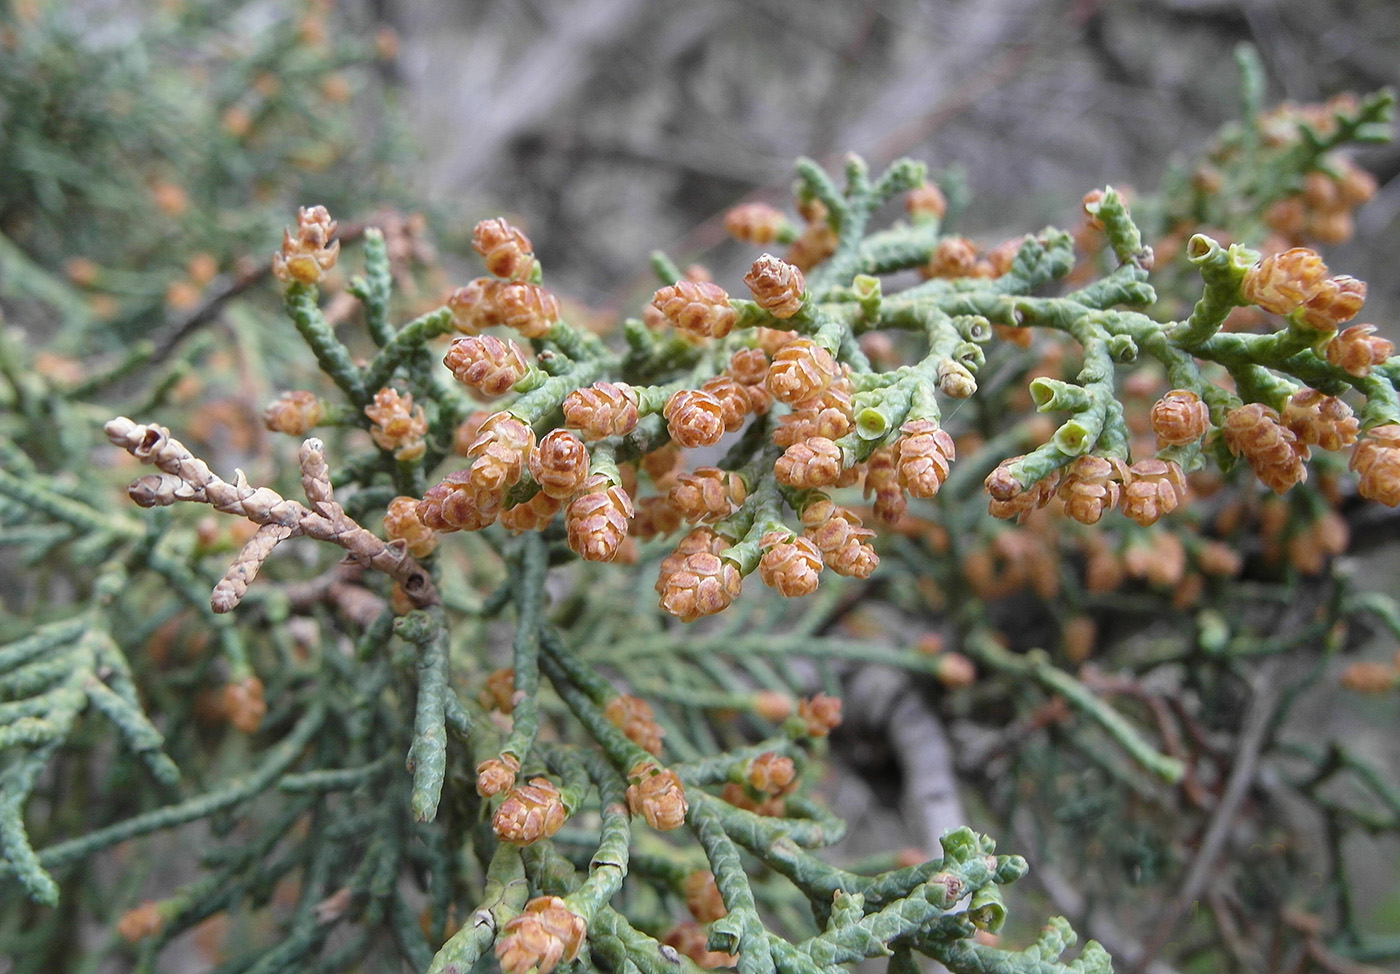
(435, 753)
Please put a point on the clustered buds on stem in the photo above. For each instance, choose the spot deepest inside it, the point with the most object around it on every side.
(486, 363)
(755, 223)
(1357, 350)
(694, 418)
(698, 308)
(694, 581)
(401, 523)
(635, 718)
(305, 258)
(1271, 449)
(601, 410)
(1092, 485)
(504, 248)
(776, 285)
(297, 413)
(487, 303)
(399, 425)
(800, 370)
(1377, 460)
(596, 519)
(791, 564)
(838, 534)
(541, 937)
(530, 812)
(820, 714)
(1320, 420)
(925, 450)
(1179, 417)
(657, 795)
(702, 897)
(1154, 489)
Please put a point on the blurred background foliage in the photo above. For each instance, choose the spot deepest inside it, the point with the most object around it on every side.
(151, 152)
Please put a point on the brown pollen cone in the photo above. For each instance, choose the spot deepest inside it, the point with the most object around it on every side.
(776, 285)
(657, 795)
(541, 937)
(790, 565)
(530, 812)
(596, 519)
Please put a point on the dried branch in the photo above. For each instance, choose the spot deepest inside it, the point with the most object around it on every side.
(184, 477)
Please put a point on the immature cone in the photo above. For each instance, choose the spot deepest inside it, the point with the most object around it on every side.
(748, 366)
(534, 514)
(1179, 417)
(708, 494)
(244, 703)
(772, 773)
(498, 693)
(926, 201)
(1357, 350)
(827, 415)
(800, 370)
(530, 813)
(733, 399)
(559, 464)
(1010, 499)
(496, 775)
(657, 795)
(398, 424)
(455, 504)
(637, 721)
(296, 412)
(1154, 488)
(486, 363)
(526, 307)
(1092, 485)
(882, 480)
(1361, 677)
(755, 223)
(843, 542)
(1337, 301)
(473, 305)
(504, 248)
(699, 308)
(596, 520)
(1271, 449)
(925, 450)
(539, 938)
(821, 714)
(776, 285)
(1282, 283)
(601, 410)
(702, 897)
(701, 584)
(401, 524)
(503, 445)
(140, 922)
(1377, 459)
(952, 257)
(1320, 420)
(814, 462)
(694, 418)
(698, 540)
(791, 565)
(305, 258)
